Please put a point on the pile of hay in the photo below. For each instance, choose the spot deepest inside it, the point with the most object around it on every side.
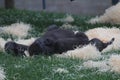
(67, 19)
(111, 15)
(2, 74)
(85, 53)
(17, 29)
(106, 34)
(112, 64)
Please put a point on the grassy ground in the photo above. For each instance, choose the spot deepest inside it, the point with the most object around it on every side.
(45, 67)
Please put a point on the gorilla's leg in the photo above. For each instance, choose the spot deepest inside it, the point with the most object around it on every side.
(99, 44)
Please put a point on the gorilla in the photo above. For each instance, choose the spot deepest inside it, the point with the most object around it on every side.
(55, 40)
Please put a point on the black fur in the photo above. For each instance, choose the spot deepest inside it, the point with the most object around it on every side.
(55, 40)
(51, 42)
(63, 45)
(16, 49)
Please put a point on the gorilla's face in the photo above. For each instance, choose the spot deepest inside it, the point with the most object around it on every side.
(42, 46)
(10, 47)
(16, 49)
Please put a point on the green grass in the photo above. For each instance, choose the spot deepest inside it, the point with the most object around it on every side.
(43, 67)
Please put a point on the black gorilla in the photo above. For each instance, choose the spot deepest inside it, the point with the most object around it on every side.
(55, 40)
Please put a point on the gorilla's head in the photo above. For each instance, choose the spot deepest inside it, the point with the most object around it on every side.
(16, 49)
(10, 47)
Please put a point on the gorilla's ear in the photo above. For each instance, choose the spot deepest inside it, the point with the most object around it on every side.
(49, 42)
